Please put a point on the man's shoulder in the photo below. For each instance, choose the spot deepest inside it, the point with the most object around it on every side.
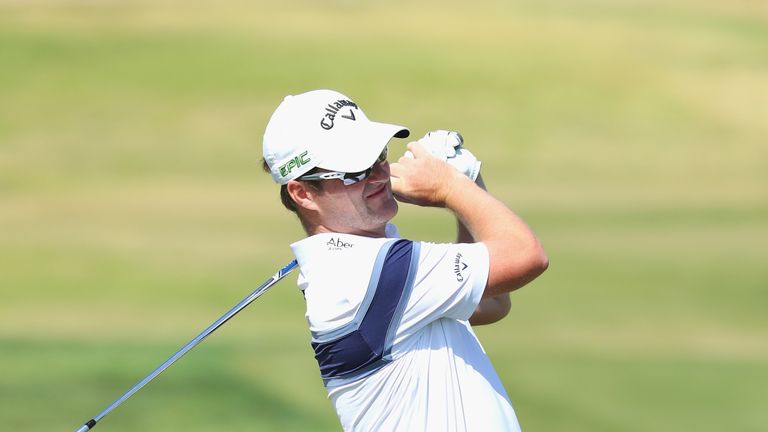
(336, 242)
(335, 273)
(325, 252)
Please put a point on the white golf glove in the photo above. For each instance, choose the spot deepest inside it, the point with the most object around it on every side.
(448, 146)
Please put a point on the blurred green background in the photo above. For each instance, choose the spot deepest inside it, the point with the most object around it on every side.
(632, 135)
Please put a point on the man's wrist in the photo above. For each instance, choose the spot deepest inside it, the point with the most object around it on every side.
(458, 190)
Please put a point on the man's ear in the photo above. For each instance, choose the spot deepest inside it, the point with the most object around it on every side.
(302, 195)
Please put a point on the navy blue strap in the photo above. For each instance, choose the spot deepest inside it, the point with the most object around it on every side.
(364, 349)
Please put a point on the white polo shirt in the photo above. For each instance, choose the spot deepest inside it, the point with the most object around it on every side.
(388, 319)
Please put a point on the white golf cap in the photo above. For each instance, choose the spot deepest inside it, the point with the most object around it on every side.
(325, 129)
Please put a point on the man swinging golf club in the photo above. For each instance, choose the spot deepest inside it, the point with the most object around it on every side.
(390, 318)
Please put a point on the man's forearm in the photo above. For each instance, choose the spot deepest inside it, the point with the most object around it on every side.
(515, 253)
(462, 232)
(490, 309)
(516, 257)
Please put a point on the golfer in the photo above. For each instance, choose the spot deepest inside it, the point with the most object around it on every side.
(390, 318)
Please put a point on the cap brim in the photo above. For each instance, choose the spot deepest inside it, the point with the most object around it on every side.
(360, 147)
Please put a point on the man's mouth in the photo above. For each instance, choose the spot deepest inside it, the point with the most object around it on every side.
(377, 191)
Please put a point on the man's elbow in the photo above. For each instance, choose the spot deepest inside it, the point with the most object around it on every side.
(538, 262)
(533, 265)
(512, 271)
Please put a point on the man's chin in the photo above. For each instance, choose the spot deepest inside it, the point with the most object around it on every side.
(386, 208)
(395, 207)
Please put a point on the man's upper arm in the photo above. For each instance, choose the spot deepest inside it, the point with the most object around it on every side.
(449, 282)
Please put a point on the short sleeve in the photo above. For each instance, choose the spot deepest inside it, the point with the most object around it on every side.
(449, 283)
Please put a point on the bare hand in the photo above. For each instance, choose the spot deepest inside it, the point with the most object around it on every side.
(423, 180)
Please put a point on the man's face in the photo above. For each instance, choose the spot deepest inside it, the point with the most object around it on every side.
(362, 208)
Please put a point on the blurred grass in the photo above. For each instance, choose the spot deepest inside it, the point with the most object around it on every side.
(133, 212)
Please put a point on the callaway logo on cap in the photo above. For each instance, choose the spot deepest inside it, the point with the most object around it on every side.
(325, 129)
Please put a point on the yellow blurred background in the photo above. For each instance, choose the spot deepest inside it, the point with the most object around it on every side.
(631, 135)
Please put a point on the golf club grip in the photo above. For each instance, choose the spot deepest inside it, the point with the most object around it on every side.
(191, 344)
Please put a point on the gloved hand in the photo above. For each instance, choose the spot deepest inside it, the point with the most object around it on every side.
(448, 146)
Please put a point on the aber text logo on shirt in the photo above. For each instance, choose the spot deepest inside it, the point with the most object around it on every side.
(458, 267)
(338, 244)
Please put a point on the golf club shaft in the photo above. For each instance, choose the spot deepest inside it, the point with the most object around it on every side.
(218, 323)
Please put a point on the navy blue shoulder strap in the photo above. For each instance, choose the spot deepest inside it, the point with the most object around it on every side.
(363, 346)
